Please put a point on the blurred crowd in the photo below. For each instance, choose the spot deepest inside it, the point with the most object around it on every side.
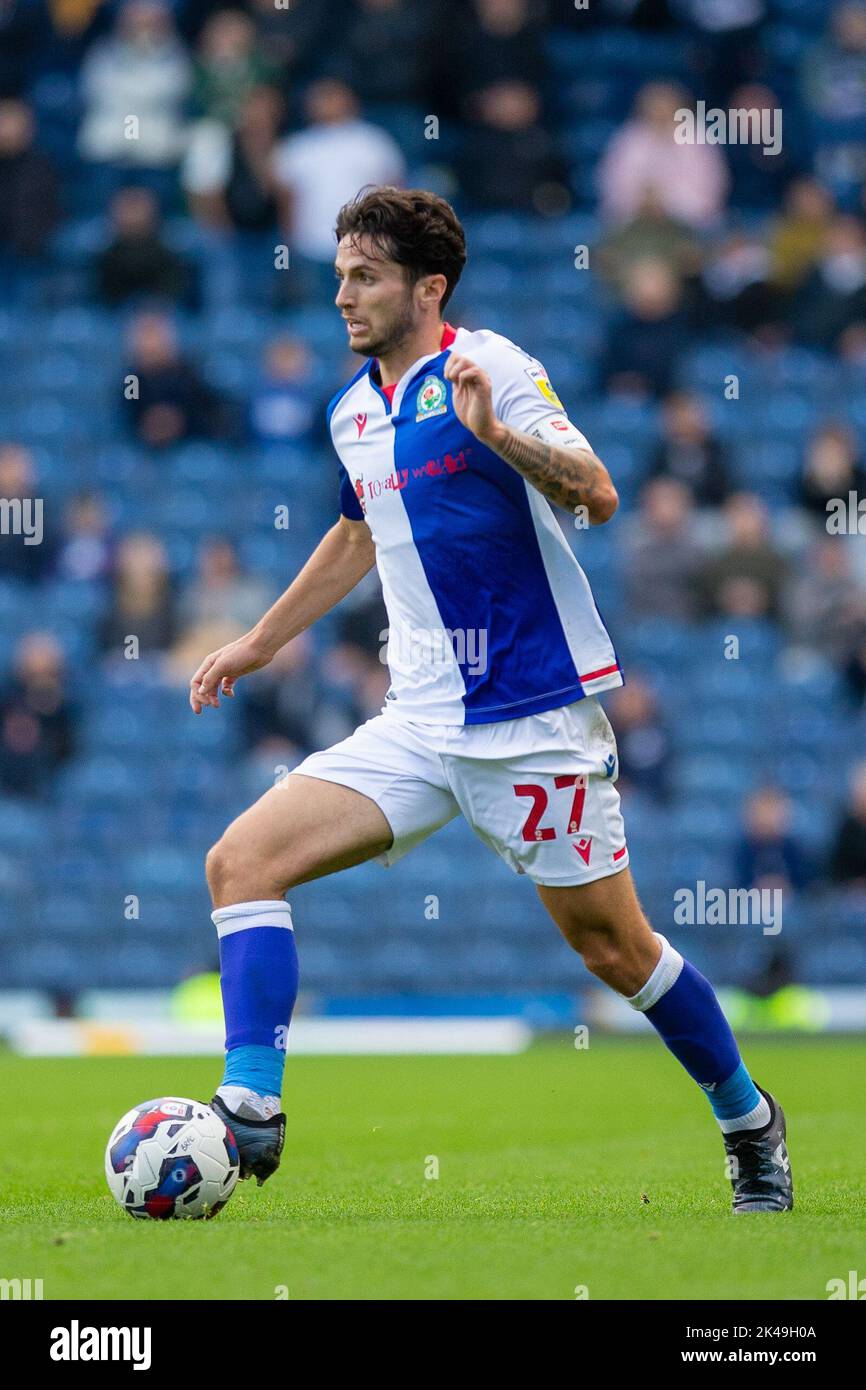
(254, 122)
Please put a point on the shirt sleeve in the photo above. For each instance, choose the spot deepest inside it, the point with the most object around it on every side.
(350, 503)
(525, 399)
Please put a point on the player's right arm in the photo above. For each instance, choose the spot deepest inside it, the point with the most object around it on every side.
(341, 559)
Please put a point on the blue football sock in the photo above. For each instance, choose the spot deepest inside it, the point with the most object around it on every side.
(259, 980)
(682, 1007)
(260, 1069)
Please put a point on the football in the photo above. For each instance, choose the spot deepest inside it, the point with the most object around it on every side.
(171, 1158)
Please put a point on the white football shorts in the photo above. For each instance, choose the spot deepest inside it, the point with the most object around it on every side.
(539, 790)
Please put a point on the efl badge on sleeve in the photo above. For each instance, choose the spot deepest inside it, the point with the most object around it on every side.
(539, 377)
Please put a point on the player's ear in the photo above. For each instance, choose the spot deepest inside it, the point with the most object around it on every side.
(431, 290)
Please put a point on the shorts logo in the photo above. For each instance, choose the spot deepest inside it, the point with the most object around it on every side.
(432, 399)
(538, 376)
(610, 765)
(584, 847)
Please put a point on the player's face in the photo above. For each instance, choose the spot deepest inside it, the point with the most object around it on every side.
(374, 299)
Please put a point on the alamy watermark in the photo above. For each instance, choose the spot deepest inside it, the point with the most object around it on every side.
(846, 516)
(738, 126)
(22, 516)
(729, 907)
(435, 646)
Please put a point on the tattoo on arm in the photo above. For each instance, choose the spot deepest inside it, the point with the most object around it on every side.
(569, 477)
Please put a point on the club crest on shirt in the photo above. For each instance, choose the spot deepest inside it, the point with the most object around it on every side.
(432, 399)
(359, 493)
(539, 377)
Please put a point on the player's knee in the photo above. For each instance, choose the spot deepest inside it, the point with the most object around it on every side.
(217, 868)
(236, 875)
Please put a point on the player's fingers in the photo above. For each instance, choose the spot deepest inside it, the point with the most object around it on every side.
(195, 700)
(209, 682)
(227, 685)
(455, 365)
(205, 685)
(470, 376)
(205, 666)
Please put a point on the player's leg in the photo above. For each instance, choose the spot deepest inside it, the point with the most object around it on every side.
(543, 796)
(603, 921)
(301, 829)
(375, 794)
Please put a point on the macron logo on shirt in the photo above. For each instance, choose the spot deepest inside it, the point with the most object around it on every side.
(360, 421)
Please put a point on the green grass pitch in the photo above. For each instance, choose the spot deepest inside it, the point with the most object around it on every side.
(558, 1169)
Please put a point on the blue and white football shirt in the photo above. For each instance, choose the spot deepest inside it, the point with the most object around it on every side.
(490, 615)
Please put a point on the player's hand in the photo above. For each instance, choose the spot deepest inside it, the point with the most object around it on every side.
(472, 394)
(220, 669)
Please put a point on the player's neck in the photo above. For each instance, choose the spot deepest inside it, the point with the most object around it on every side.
(426, 341)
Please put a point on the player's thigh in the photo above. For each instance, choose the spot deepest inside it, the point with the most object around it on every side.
(607, 907)
(301, 829)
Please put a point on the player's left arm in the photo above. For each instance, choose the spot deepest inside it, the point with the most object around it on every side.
(571, 476)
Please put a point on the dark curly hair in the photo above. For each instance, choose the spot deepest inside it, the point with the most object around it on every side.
(418, 230)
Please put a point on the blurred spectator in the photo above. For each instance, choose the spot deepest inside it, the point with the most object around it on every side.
(172, 402)
(768, 855)
(228, 175)
(797, 235)
(642, 741)
(292, 35)
(385, 49)
(855, 673)
(29, 194)
(507, 158)
(282, 700)
(738, 286)
(831, 470)
(690, 452)
(661, 554)
(727, 43)
(833, 297)
(833, 80)
(761, 173)
(85, 550)
(142, 601)
(22, 40)
(284, 407)
(140, 72)
(229, 64)
(652, 234)
(36, 717)
(136, 260)
(690, 180)
(372, 688)
(746, 576)
(320, 169)
(221, 592)
(848, 853)
(27, 541)
(647, 339)
(489, 41)
(826, 608)
(362, 620)
(851, 347)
